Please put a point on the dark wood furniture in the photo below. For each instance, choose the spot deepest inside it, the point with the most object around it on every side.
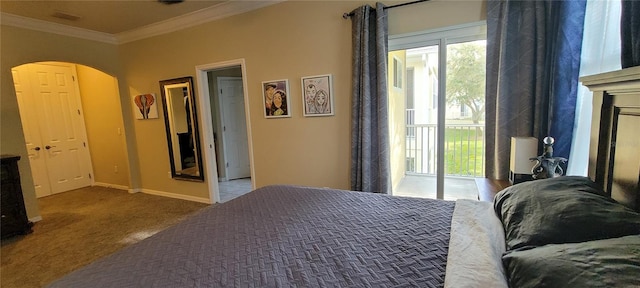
(614, 137)
(487, 188)
(14, 215)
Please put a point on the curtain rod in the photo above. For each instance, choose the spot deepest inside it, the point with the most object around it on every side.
(347, 15)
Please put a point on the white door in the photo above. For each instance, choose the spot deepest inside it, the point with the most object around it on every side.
(234, 128)
(31, 132)
(52, 106)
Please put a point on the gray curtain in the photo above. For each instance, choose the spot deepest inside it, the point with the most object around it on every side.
(533, 62)
(370, 167)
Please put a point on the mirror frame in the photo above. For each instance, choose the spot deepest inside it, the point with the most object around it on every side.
(195, 128)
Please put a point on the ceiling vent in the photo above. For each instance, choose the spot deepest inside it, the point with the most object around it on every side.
(169, 2)
(65, 16)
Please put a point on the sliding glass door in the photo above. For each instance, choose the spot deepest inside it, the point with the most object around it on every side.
(436, 93)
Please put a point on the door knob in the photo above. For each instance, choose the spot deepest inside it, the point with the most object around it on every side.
(49, 147)
(36, 148)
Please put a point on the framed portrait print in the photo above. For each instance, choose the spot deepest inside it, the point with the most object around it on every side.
(275, 95)
(317, 95)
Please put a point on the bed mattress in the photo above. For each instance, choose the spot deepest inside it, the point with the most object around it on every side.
(288, 236)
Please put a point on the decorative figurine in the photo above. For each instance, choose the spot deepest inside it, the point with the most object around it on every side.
(547, 166)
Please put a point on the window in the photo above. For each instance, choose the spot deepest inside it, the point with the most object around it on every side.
(397, 73)
(410, 96)
(464, 111)
(411, 164)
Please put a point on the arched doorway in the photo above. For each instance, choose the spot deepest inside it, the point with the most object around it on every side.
(74, 135)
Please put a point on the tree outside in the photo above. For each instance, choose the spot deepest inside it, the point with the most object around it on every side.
(466, 70)
(466, 66)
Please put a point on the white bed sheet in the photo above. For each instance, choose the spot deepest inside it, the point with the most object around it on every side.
(476, 246)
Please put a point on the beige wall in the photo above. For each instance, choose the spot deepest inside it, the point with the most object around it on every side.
(283, 41)
(434, 14)
(397, 129)
(105, 128)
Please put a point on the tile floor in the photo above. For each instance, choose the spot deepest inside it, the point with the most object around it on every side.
(234, 188)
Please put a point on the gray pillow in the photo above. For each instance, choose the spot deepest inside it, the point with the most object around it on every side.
(566, 209)
(602, 263)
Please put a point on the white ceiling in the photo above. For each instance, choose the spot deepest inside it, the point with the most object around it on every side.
(122, 19)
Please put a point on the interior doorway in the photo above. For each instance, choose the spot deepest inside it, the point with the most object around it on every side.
(53, 124)
(226, 133)
(234, 126)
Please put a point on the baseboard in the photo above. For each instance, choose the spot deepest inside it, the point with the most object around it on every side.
(35, 219)
(155, 192)
(177, 196)
(114, 186)
(135, 190)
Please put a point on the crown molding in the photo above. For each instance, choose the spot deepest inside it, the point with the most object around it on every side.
(216, 12)
(55, 28)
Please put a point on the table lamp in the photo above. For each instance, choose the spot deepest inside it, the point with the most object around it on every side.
(522, 149)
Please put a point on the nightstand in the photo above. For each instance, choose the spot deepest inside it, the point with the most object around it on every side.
(488, 188)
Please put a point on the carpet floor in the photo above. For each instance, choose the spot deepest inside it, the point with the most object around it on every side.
(81, 226)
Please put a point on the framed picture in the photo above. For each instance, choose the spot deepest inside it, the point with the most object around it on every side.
(145, 106)
(275, 94)
(317, 95)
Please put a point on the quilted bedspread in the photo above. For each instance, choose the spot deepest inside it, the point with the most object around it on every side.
(288, 236)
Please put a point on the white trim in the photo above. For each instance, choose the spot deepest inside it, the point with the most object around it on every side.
(114, 186)
(461, 33)
(442, 107)
(202, 82)
(216, 12)
(35, 219)
(55, 28)
(177, 196)
(209, 157)
(135, 190)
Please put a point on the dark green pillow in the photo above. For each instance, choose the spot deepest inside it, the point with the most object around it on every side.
(566, 209)
(602, 263)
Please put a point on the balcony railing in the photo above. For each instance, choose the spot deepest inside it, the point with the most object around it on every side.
(463, 149)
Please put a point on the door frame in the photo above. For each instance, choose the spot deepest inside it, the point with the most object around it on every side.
(204, 104)
(441, 37)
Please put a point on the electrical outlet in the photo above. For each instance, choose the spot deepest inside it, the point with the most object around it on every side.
(115, 169)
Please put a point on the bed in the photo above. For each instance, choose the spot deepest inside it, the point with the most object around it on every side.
(561, 232)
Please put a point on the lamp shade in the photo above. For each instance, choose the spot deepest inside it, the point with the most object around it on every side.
(522, 149)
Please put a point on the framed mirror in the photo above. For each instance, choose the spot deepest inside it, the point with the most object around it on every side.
(181, 124)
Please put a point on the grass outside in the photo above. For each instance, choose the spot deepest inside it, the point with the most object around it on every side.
(464, 152)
